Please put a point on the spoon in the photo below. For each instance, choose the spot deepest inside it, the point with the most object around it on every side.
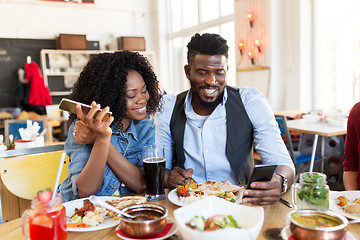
(100, 202)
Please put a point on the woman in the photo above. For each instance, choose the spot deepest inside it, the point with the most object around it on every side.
(125, 84)
(351, 158)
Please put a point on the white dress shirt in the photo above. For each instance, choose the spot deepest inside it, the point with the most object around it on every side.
(205, 136)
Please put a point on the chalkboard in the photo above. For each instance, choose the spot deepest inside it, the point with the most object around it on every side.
(13, 53)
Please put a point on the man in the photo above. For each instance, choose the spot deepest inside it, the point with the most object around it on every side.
(209, 132)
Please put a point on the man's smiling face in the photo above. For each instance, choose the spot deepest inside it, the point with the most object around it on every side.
(207, 76)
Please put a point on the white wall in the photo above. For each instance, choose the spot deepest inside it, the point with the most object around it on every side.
(280, 28)
(100, 21)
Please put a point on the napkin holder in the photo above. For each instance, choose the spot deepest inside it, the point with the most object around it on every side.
(37, 142)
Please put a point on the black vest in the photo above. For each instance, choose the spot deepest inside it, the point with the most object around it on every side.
(239, 141)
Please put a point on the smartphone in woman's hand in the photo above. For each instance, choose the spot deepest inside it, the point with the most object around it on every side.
(70, 106)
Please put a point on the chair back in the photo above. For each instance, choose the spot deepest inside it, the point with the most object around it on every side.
(12, 126)
(22, 176)
(281, 120)
(5, 116)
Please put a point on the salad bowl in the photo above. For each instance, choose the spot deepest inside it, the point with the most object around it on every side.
(249, 218)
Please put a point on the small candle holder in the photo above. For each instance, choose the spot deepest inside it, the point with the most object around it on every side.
(251, 18)
(251, 57)
(257, 43)
(241, 47)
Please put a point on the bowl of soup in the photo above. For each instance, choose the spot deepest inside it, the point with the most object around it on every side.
(314, 224)
(150, 220)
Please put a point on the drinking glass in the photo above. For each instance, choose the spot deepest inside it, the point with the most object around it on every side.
(154, 169)
(45, 220)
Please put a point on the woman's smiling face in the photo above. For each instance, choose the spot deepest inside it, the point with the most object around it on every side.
(136, 96)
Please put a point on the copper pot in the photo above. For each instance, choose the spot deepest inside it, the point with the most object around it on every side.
(150, 220)
(302, 231)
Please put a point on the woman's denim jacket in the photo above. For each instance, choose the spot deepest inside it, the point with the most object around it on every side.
(129, 144)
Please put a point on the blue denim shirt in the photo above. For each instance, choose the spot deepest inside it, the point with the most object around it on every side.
(129, 144)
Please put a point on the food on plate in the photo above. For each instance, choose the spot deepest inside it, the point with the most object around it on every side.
(315, 220)
(90, 215)
(88, 206)
(213, 223)
(193, 192)
(352, 207)
(87, 216)
(342, 201)
(77, 225)
(123, 202)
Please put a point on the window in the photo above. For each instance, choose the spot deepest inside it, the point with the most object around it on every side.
(336, 51)
(184, 19)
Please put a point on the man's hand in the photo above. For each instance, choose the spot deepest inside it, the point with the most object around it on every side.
(179, 176)
(83, 134)
(264, 193)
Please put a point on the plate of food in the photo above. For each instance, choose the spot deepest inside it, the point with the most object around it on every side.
(192, 192)
(346, 203)
(83, 216)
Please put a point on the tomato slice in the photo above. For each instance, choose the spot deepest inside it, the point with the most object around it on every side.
(77, 225)
(210, 224)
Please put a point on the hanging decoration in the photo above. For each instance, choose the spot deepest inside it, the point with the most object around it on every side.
(241, 47)
(251, 45)
(251, 18)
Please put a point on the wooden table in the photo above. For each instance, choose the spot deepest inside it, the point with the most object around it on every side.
(275, 220)
(320, 128)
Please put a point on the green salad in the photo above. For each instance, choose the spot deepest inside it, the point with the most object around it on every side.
(213, 223)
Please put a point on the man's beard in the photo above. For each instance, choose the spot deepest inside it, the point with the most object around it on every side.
(210, 105)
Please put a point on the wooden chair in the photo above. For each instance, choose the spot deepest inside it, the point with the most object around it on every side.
(5, 116)
(22, 176)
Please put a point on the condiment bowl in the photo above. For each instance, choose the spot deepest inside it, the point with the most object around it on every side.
(307, 225)
(311, 118)
(150, 220)
(249, 218)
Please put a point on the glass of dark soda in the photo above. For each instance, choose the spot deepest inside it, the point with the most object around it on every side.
(154, 169)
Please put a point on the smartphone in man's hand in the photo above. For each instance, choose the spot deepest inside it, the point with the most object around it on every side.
(261, 173)
(70, 106)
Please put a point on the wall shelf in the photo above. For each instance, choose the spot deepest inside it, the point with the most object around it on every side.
(61, 68)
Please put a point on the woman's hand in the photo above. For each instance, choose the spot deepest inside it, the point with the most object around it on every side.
(94, 126)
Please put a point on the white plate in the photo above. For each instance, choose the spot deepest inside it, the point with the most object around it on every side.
(286, 233)
(172, 230)
(350, 195)
(78, 203)
(172, 196)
